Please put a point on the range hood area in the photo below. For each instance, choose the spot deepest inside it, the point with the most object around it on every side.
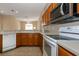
(64, 13)
(64, 20)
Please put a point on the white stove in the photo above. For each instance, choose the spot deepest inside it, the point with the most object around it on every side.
(50, 41)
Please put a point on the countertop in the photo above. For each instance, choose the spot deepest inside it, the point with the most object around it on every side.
(70, 45)
(19, 31)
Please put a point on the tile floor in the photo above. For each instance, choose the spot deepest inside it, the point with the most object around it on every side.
(23, 51)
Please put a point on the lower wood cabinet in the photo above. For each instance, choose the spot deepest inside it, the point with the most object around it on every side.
(24, 39)
(18, 39)
(29, 39)
(63, 52)
(0, 43)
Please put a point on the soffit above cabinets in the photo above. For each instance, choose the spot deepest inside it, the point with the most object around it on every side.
(22, 10)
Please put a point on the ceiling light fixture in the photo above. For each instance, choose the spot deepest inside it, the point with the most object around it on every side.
(14, 11)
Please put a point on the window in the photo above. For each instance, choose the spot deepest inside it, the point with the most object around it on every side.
(28, 26)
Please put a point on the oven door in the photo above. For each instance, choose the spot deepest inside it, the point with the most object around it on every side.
(50, 48)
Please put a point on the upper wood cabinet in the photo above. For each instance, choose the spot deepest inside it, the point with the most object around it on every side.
(54, 5)
(78, 8)
(46, 15)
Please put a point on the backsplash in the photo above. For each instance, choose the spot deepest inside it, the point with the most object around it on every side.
(52, 29)
(70, 29)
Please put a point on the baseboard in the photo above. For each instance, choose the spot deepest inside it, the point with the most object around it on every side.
(8, 50)
(28, 46)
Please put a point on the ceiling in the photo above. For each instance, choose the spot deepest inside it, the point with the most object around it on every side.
(22, 11)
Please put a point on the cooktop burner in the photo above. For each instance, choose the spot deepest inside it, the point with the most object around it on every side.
(58, 37)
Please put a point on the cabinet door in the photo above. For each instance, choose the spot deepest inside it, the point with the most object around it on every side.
(31, 39)
(25, 38)
(18, 39)
(0, 43)
(35, 39)
(78, 8)
(40, 40)
(64, 52)
(54, 5)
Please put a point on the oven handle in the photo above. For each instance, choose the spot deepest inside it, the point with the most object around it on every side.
(61, 9)
(50, 42)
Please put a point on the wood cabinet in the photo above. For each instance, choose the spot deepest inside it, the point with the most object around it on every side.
(46, 16)
(29, 39)
(54, 5)
(41, 42)
(63, 52)
(24, 39)
(0, 43)
(18, 39)
(78, 8)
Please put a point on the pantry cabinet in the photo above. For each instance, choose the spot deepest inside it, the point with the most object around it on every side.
(63, 52)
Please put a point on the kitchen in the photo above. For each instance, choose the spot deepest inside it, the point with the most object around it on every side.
(39, 29)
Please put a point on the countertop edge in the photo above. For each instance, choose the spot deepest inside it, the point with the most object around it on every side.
(72, 50)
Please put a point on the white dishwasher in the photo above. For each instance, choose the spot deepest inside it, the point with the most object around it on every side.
(9, 41)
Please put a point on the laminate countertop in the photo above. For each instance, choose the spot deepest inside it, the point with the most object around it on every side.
(70, 45)
(18, 31)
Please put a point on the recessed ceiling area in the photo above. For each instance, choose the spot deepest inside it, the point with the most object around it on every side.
(22, 10)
